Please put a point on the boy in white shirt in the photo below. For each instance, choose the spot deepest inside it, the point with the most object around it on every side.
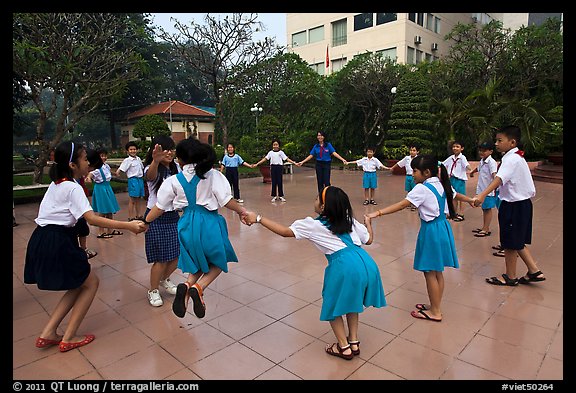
(405, 163)
(486, 169)
(457, 166)
(515, 212)
(370, 165)
(134, 169)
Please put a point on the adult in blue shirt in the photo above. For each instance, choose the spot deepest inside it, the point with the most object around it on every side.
(322, 152)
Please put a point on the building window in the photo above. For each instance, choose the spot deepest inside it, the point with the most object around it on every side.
(429, 58)
(419, 54)
(363, 21)
(412, 16)
(430, 22)
(339, 33)
(316, 34)
(338, 64)
(299, 39)
(410, 56)
(420, 18)
(382, 18)
(436, 25)
(389, 53)
(319, 67)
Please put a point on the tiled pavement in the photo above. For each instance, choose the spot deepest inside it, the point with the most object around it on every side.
(262, 320)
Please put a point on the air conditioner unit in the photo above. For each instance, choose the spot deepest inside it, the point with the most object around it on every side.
(417, 39)
(434, 46)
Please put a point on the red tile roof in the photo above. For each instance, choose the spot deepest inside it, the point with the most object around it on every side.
(163, 108)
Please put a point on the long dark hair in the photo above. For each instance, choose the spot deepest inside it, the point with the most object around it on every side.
(437, 169)
(337, 210)
(65, 153)
(163, 172)
(192, 151)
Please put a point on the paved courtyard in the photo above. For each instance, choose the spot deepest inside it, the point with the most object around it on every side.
(262, 318)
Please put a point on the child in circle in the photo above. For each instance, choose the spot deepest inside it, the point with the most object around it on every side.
(134, 169)
(205, 249)
(435, 248)
(487, 168)
(276, 158)
(370, 165)
(54, 259)
(352, 279)
(405, 163)
(457, 166)
(229, 166)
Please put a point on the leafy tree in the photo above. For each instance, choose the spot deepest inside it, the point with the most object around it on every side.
(411, 120)
(221, 50)
(150, 126)
(76, 57)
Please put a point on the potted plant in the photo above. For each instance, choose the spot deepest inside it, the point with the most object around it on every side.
(392, 156)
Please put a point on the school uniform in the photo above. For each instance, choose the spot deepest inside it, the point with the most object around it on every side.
(134, 170)
(409, 180)
(276, 159)
(515, 212)
(54, 260)
(456, 167)
(369, 166)
(435, 247)
(103, 197)
(231, 163)
(486, 167)
(202, 231)
(161, 239)
(323, 156)
(352, 278)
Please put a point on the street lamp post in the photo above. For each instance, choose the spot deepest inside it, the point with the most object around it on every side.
(256, 110)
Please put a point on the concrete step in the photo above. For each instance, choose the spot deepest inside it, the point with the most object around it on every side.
(549, 173)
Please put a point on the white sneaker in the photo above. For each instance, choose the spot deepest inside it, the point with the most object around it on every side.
(169, 286)
(154, 298)
(240, 200)
(273, 199)
(282, 199)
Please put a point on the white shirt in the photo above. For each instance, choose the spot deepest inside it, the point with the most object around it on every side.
(486, 168)
(212, 192)
(152, 197)
(97, 177)
(63, 204)
(369, 164)
(324, 240)
(132, 166)
(276, 157)
(405, 163)
(517, 184)
(425, 200)
(456, 166)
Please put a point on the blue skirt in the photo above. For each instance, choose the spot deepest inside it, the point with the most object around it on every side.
(54, 260)
(103, 198)
(435, 247)
(409, 183)
(203, 236)
(161, 238)
(351, 282)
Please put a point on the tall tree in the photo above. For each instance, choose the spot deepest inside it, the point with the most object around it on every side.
(76, 57)
(221, 50)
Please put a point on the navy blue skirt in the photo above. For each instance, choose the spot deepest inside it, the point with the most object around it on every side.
(515, 221)
(54, 260)
(161, 238)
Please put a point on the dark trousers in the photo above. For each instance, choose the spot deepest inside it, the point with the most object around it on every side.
(232, 176)
(276, 174)
(322, 174)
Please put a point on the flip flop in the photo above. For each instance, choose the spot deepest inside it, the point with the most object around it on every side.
(499, 253)
(426, 316)
(476, 230)
(498, 247)
(181, 300)
(421, 306)
(482, 234)
(65, 347)
(116, 232)
(46, 342)
(104, 236)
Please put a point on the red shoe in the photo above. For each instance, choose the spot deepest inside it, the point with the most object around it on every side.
(45, 342)
(65, 347)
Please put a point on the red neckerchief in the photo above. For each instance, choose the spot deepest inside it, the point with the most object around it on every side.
(61, 180)
(453, 165)
(520, 152)
(321, 149)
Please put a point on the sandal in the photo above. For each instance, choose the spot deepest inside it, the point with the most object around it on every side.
(421, 306)
(499, 253)
(104, 236)
(497, 247)
(532, 277)
(116, 232)
(181, 300)
(477, 230)
(511, 282)
(90, 253)
(357, 343)
(373, 202)
(340, 351)
(458, 218)
(366, 202)
(198, 300)
(482, 234)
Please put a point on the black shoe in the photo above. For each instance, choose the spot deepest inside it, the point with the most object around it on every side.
(366, 202)
(180, 301)
(373, 202)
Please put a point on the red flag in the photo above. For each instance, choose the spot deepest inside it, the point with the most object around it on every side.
(327, 58)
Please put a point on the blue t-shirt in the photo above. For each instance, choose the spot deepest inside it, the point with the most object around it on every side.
(323, 153)
(232, 162)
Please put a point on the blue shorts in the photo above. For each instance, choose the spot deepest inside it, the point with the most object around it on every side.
(409, 183)
(459, 185)
(490, 202)
(136, 187)
(370, 180)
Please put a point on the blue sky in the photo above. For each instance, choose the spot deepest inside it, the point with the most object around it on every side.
(274, 23)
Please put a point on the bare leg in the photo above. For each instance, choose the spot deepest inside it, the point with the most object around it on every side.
(526, 257)
(156, 272)
(352, 321)
(435, 288)
(207, 278)
(487, 216)
(337, 325)
(510, 260)
(366, 195)
(169, 268)
(371, 192)
(131, 207)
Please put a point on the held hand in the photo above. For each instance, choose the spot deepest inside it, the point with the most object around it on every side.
(471, 174)
(137, 226)
(345, 162)
(477, 201)
(299, 163)
(251, 217)
(367, 219)
(372, 215)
